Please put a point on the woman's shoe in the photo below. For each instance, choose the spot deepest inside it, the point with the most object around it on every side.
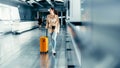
(53, 51)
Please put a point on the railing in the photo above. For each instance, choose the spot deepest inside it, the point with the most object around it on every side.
(75, 47)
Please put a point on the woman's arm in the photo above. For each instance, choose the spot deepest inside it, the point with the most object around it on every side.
(58, 24)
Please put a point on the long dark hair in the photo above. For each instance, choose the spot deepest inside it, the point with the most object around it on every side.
(55, 11)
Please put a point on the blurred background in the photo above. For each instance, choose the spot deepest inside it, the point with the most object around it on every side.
(100, 40)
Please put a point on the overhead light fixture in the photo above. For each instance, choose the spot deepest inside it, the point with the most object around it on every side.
(59, 0)
(50, 3)
(38, 0)
(31, 1)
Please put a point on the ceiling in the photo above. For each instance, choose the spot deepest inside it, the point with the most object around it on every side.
(59, 5)
(45, 4)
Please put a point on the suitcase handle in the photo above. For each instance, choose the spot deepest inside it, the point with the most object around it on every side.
(46, 32)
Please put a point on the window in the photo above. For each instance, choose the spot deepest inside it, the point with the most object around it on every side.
(9, 12)
(15, 13)
(4, 13)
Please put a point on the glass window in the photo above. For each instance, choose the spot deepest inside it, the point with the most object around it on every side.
(9, 12)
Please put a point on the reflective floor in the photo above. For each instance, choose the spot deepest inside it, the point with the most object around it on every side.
(22, 51)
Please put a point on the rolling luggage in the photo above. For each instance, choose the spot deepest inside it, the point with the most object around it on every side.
(44, 44)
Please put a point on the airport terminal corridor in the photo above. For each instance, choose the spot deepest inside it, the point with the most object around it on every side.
(88, 33)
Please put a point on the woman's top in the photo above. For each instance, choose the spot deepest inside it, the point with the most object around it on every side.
(52, 20)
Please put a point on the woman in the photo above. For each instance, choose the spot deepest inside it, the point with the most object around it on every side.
(52, 24)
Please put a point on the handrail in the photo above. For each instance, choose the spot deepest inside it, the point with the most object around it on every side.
(75, 39)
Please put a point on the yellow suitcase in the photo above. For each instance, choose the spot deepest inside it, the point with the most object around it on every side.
(44, 44)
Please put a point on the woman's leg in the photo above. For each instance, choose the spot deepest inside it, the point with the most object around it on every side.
(54, 36)
(49, 39)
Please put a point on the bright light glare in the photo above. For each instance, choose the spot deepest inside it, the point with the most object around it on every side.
(15, 13)
(9, 12)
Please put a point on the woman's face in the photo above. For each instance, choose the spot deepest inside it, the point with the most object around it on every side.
(51, 11)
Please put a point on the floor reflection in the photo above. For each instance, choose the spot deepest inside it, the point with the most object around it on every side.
(44, 61)
(48, 61)
(53, 61)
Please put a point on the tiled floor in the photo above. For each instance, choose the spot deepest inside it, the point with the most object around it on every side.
(22, 51)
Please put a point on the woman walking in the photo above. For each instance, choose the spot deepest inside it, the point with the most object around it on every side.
(52, 24)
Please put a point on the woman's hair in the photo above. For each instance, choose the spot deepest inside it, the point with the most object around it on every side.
(54, 10)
